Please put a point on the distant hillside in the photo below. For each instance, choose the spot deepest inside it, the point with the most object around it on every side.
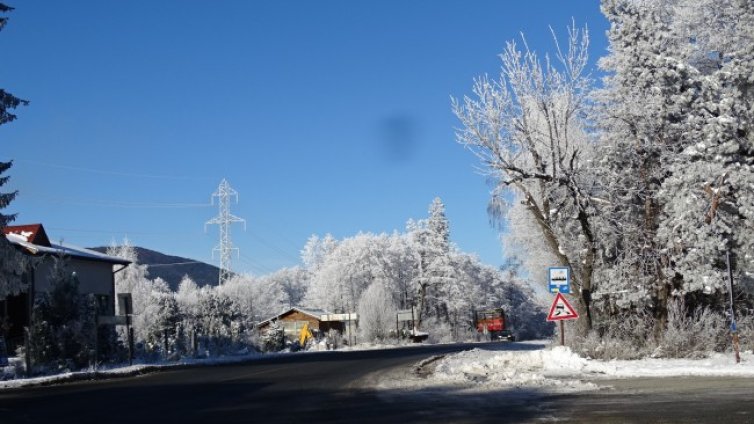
(173, 268)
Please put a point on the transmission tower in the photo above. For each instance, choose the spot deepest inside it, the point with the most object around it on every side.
(224, 219)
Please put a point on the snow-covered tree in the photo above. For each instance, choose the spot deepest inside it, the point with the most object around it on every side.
(709, 196)
(675, 125)
(293, 283)
(527, 129)
(133, 276)
(398, 266)
(430, 240)
(269, 297)
(187, 301)
(387, 269)
(345, 273)
(376, 311)
(640, 113)
(316, 250)
(158, 320)
(220, 319)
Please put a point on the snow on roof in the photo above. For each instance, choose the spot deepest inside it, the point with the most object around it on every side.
(32, 233)
(84, 253)
(66, 250)
(313, 312)
(316, 313)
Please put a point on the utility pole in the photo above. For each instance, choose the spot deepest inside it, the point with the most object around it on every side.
(716, 198)
(733, 329)
(224, 219)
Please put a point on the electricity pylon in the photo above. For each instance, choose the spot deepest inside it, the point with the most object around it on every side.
(224, 219)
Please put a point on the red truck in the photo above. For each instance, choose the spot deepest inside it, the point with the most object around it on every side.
(492, 322)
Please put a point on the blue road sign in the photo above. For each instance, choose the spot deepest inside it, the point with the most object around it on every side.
(559, 280)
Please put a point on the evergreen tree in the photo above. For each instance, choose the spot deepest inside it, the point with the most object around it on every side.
(709, 195)
(64, 325)
(11, 263)
(438, 226)
(675, 121)
(642, 107)
(431, 238)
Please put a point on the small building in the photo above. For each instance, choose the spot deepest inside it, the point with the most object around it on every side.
(95, 272)
(320, 322)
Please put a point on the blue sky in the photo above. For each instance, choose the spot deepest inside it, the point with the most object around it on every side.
(327, 117)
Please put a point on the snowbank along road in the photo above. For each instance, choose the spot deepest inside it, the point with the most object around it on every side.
(378, 386)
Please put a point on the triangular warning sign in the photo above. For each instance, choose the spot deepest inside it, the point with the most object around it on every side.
(561, 309)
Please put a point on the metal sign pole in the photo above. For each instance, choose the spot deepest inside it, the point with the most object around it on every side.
(560, 311)
(733, 329)
(129, 333)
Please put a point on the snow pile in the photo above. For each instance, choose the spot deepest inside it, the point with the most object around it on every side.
(558, 369)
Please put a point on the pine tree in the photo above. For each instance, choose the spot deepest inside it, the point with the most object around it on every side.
(63, 329)
(677, 149)
(709, 196)
(11, 263)
(431, 239)
(438, 226)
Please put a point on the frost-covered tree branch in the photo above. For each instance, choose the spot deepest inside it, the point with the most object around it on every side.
(527, 128)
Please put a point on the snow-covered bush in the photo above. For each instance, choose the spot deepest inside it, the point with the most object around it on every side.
(617, 337)
(692, 334)
(334, 339)
(439, 331)
(745, 325)
(689, 334)
(376, 313)
(272, 340)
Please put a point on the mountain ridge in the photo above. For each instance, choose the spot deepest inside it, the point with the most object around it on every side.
(172, 268)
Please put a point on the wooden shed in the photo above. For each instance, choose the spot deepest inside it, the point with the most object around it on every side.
(294, 319)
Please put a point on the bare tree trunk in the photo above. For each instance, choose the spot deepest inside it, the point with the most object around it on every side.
(422, 305)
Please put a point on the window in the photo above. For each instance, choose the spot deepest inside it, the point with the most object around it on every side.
(104, 305)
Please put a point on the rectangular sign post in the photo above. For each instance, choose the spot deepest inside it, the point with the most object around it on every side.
(3, 353)
(561, 310)
(406, 314)
(559, 280)
(124, 307)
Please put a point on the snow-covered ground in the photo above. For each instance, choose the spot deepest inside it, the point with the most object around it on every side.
(121, 370)
(555, 369)
(16, 365)
(552, 369)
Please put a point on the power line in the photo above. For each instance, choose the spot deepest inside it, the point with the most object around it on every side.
(110, 172)
(125, 232)
(256, 265)
(296, 246)
(275, 248)
(119, 203)
(177, 263)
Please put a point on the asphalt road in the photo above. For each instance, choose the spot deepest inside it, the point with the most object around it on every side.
(330, 387)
